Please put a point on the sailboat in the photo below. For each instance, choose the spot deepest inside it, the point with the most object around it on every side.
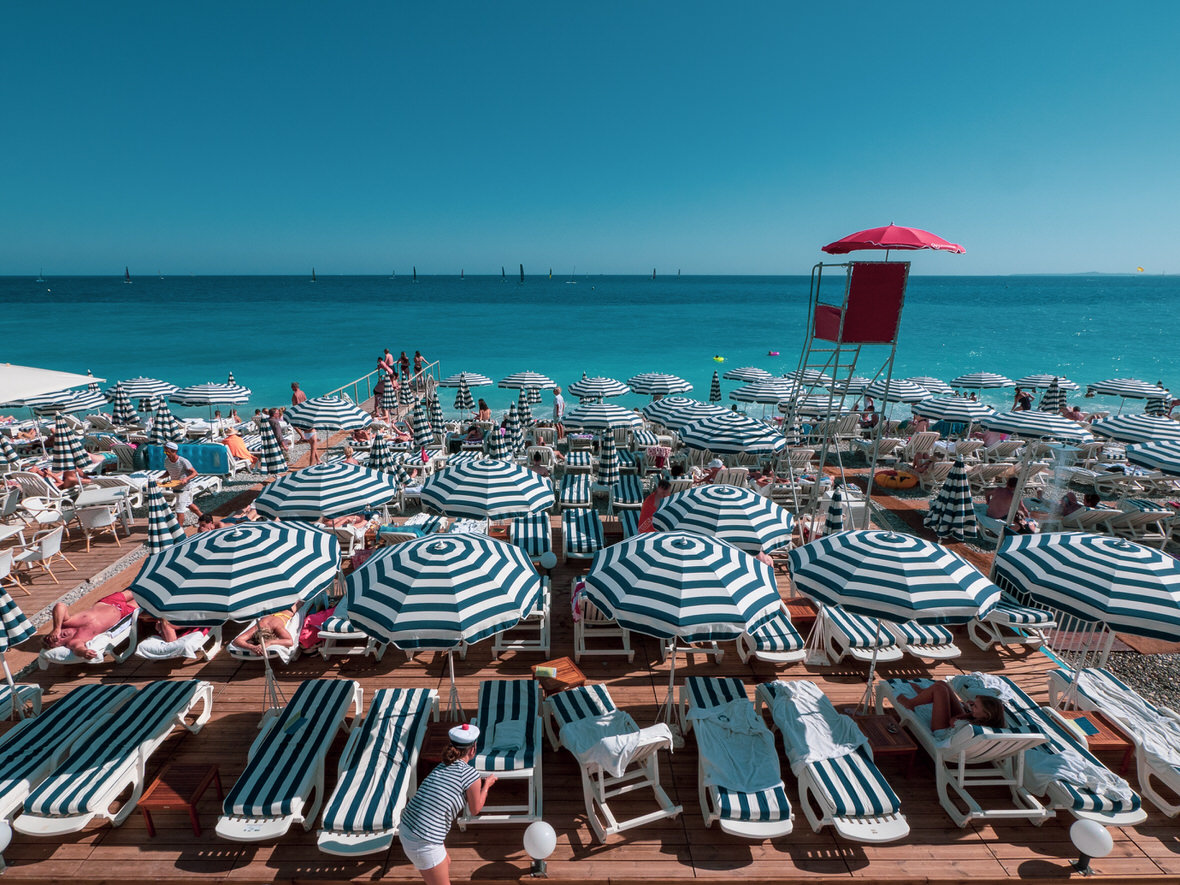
(126, 274)
(522, 273)
(41, 275)
(312, 275)
(550, 273)
(415, 274)
(393, 274)
(503, 277)
(461, 272)
(653, 273)
(571, 281)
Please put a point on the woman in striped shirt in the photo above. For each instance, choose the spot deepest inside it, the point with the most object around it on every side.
(432, 811)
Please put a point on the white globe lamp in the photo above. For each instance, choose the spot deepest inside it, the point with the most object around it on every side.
(1091, 839)
(539, 842)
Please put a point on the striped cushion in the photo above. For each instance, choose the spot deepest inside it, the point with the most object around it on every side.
(294, 747)
(777, 635)
(854, 786)
(641, 439)
(1010, 611)
(626, 459)
(575, 490)
(463, 458)
(374, 776)
(629, 521)
(925, 634)
(714, 691)
(88, 769)
(340, 627)
(501, 700)
(532, 534)
(583, 531)
(586, 702)
(628, 491)
(578, 458)
(860, 631)
(765, 805)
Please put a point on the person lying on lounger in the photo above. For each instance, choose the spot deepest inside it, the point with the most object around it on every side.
(271, 629)
(74, 631)
(948, 711)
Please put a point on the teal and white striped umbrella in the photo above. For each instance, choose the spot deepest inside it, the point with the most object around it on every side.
(470, 379)
(70, 401)
(776, 390)
(388, 400)
(463, 400)
(982, 381)
(527, 381)
(747, 374)
(406, 395)
(658, 384)
(515, 430)
(600, 416)
(1043, 382)
(851, 387)
(834, 521)
(608, 461)
(15, 628)
(897, 390)
(403, 462)
(715, 389)
(423, 437)
(211, 394)
(1126, 388)
(674, 412)
(270, 458)
(237, 573)
(381, 456)
(144, 388)
(68, 453)
(165, 427)
(487, 489)
(892, 576)
(1036, 425)
(163, 528)
(951, 514)
(935, 385)
(440, 590)
(1137, 428)
(792, 431)
(810, 378)
(434, 414)
(740, 517)
(732, 433)
(682, 584)
(1054, 398)
(1162, 456)
(598, 387)
(328, 413)
(498, 445)
(1132, 588)
(325, 491)
(533, 394)
(7, 453)
(523, 409)
(953, 408)
(818, 405)
(122, 412)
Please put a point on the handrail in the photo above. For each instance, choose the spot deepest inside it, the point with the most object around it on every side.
(425, 381)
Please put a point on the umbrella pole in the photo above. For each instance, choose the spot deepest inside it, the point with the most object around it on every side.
(454, 709)
(866, 703)
(273, 697)
(665, 712)
(17, 706)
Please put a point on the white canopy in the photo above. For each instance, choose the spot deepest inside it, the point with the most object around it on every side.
(22, 382)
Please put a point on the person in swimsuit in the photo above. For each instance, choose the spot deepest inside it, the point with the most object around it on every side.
(74, 631)
(271, 629)
(948, 711)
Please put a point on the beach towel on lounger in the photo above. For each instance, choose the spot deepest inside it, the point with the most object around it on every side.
(737, 749)
(812, 729)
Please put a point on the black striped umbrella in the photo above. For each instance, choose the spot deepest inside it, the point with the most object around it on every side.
(600, 416)
(951, 513)
(122, 412)
(658, 384)
(1042, 382)
(325, 491)
(463, 400)
(1054, 398)
(328, 413)
(533, 395)
(1126, 388)
(897, 390)
(1163, 456)
(675, 412)
(434, 414)
(953, 408)
(934, 385)
(8, 453)
(68, 453)
(144, 388)
(515, 430)
(388, 401)
(498, 445)
(487, 489)
(165, 427)
(468, 379)
(527, 381)
(715, 389)
(210, 394)
(608, 460)
(271, 458)
(423, 437)
(740, 517)
(15, 628)
(1036, 425)
(163, 528)
(598, 387)
(72, 401)
(834, 520)
(982, 381)
(381, 456)
(523, 409)
(732, 433)
(776, 390)
(1137, 428)
(747, 374)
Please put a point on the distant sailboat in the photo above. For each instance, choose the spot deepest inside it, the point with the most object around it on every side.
(126, 274)
(415, 274)
(461, 272)
(522, 273)
(653, 273)
(550, 273)
(41, 275)
(503, 276)
(571, 281)
(312, 275)
(393, 274)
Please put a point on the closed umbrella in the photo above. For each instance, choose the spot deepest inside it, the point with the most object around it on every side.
(271, 458)
(674, 412)
(68, 453)
(122, 412)
(740, 517)
(731, 433)
(487, 489)
(15, 628)
(389, 399)
(834, 521)
(515, 430)
(1053, 399)
(434, 414)
(747, 374)
(381, 456)
(934, 385)
(598, 388)
(608, 460)
(952, 514)
(792, 431)
(8, 453)
(1136, 428)
(463, 400)
(498, 445)
(527, 381)
(600, 416)
(982, 381)
(533, 394)
(523, 409)
(420, 426)
(165, 427)
(715, 389)
(658, 384)
(325, 491)
(163, 528)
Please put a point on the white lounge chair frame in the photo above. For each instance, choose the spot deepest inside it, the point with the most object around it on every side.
(510, 813)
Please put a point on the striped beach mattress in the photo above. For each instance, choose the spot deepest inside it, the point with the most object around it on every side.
(582, 530)
(532, 534)
(627, 493)
(575, 490)
(510, 707)
(860, 631)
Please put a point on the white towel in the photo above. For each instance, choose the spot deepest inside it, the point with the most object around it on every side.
(1041, 768)
(812, 728)
(737, 749)
(969, 685)
(154, 648)
(609, 741)
(508, 734)
(581, 735)
(1158, 734)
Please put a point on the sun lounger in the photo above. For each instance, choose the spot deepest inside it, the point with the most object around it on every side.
(27, 696)
(579, 462)
(642, 439)
(532, 534)
(574, 491)
(1148, 523)
(629, 523)
(283, 653)
(590, 622)
(775, 642)
(1154, 731)
(627, 493)
(581, 533)
(117, 643)
(111, 758)
(738, 783)
(834, 764)
(1010, 622)
(533, 630)
(931, 642)
(339, 638)
(1088, 519)
(845, 634)
(615, 755)
(285, 764)
(972, 758)
(203, 644)
(509, 747)
(628, 462)
(378, 772)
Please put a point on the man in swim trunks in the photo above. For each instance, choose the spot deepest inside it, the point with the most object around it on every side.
(74, 631)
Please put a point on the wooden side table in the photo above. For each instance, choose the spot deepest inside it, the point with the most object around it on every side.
(179, 786)
(569, 675)
(887, 738)
(1108, 738)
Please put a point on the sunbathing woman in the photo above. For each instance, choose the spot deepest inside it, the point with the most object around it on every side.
(948, 711)
(271, 628)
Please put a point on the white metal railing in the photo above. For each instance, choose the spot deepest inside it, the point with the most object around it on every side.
(422, 383)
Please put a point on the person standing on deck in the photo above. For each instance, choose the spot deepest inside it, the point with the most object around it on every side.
(405, 364)
(297, 395)
(180, 470)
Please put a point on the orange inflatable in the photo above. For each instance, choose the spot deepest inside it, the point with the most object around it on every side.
(895, 479)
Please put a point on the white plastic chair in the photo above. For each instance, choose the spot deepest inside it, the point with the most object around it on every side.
(43, 550)
(96, 521)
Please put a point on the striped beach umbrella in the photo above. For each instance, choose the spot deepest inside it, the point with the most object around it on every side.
(1126, 388)
(328, 413)
(810, 378)
(851, 387)
(792, 431)
(1137, 428)
(70, 401)
(818, 405)
(1161, 456)
(523, 408)
(675, 412)
(406, 394)
(892, 576)
(434, 414)
(463, 400)
(402, 467)
(325, 491)
(897, 390)
(731, 433)
(534, 395)
(1130, 587)
(487, 489)
(598, 387)
(163, 528)
(1053, 400)
(834, 521)
(15, 628)
(600, 416)
(471, 379)
(740, 517)
(165, 427)
(498, 445)
(122, 412)
(658, 384)
(143, 388)
(1036, 425)
(608, 461)
(776, 390)
(1043, 382)
(515, 430)
(951, 514)
(381, 456)
(715, 389)
(935, 385)
(420, 426)
(211, 394)
(747, 374)
(982, 381)
(271, 458)
(953, 408)
(68, 453)
(527, 381)
(388, 399)
(7, 453)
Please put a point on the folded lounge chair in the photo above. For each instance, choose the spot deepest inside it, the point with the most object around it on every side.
(110, 757)
(1011, 622)
(117, 643)
(845, 634)
(931, 642)
(378, 772)
(775, 642)
(738, 784)
(581, 533)
(578, 716)
(509, 747)
(848, 790)
(286, 762)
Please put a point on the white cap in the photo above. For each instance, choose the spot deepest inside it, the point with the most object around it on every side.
(171, 447)
(716, 462)
(463, 735)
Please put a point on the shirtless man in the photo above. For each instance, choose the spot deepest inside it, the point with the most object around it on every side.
(74, 631)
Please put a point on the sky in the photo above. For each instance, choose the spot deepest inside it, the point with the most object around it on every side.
(610, 137)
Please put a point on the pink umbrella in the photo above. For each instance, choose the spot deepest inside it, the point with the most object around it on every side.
(891, 237)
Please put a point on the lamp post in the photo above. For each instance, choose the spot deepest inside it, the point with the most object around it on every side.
(1091, 839)
(539, 842)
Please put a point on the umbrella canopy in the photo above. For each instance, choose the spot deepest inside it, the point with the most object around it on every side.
(891, 237)
(896, 390)
(853, 386)
(1132, 588)
(953, 408)
(487, 489)
(1127, 388)
(165, 427)
(1036, 425)
(600, 416)
(463, 400)
(325, 490)
(515, 430)
(271, 457)
(328, 413)
(7, 453)
(19, 383)
(951, 513)
(715, 389)
(1042, 382)
(732, 433)
(598, 387)
(471, 379)
(748, 374)
(674, 412)
(434, 414)
(420, 426)
(210, 394)
(523, 409)
(608, 460)
(68, 453)
(740, 517)
(15, 628)
(437, 591)
(982, 381)
(891, 576)
(237, 573)
(122, 412)
(1053, 399)
(793, 431)
(1162, 456)
(658, 384)
(70, 401)
(163, 528)
(834, 521)
(144, 388)
(775, 390)
(934, 385)
(810, 378)
(1137, 428)
(820, 405)
(681, 584)
(528, 381)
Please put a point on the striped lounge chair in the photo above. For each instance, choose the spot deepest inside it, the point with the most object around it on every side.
(765, 814)
(1065, 693)
(285, 654)
(579, 462)
(532, 534)
(846, 634)
(574, 491)
(115, 645)
(581, 533)
(378, 772)
(642, 770)
(1011, 622)
(628, 463)
(971, 759)
(108, 763)
(285, 764)
(32, 748)
(509, 746)
(627, 493)
(532, 632)
(340, 638)
(931, 642)
(628, 522)
(26, 695)
(592, 622)
(642, 439)
(775, 642)
(849, 791)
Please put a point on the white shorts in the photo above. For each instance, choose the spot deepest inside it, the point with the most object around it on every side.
(423, 855)
(183, 499)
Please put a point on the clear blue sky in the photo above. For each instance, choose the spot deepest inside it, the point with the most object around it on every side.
(267, 137)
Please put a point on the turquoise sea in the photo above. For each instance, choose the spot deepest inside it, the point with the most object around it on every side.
(270, 331)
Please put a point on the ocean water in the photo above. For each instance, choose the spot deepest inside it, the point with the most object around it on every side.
(270, 331)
